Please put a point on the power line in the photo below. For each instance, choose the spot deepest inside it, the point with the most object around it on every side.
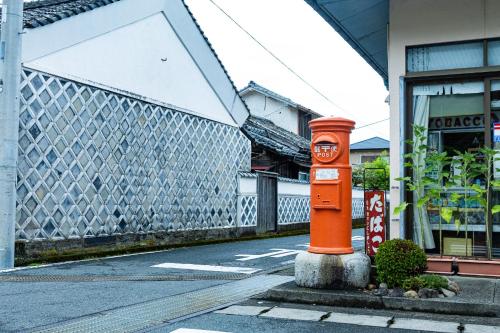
(370, 124)
(281, 61)
(290, 69)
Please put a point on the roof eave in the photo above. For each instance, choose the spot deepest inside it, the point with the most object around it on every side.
(344, 33)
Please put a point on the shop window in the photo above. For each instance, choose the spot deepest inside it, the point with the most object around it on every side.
(453, 118)
(495, 109)
(442, 57)
(494, 53)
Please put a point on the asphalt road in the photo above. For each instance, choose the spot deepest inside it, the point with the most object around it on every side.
(41, 301)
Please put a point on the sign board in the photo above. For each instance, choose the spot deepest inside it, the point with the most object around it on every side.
(325, 151)
(496, 146)
(374, 220)
(327, 174)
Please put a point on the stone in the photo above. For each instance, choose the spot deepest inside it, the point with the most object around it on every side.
(453, 286)
(383, 286)
(441, 296)
(428, 293)
(371, 286)
(381, 292)
(396, 292)
(328, 271)
(410, 294)
(447, 293)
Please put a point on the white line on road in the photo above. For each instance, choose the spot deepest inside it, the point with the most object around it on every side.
(189, 330)
(277, 253)
(364, 320)
(358, 238)
(209, 268)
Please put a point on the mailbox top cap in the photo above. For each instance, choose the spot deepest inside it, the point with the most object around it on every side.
(330, 123)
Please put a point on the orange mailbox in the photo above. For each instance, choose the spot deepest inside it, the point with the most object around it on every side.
(331, 192)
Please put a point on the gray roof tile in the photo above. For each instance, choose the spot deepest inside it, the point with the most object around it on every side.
(265, 133)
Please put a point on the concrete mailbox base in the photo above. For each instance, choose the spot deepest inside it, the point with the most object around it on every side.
(328, 271)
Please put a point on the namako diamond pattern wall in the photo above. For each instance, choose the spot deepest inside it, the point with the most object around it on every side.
(94, 162)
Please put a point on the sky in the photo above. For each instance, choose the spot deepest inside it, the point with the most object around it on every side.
(300, 37)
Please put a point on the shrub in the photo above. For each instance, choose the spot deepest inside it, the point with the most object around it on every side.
(434, 281)
(397, 260)
(413, 283)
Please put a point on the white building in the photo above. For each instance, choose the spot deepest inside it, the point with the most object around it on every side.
(441, 63)
(282, 111)
(129, 127)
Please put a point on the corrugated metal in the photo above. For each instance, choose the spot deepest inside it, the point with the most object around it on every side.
(363, 24)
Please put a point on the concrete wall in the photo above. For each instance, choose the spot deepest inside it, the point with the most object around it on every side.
(276, 111)
(422, 22)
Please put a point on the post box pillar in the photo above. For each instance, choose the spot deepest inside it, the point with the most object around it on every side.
(331, 186)
(330, 261)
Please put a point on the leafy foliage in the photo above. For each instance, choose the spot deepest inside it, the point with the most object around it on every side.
(434, 281)
(413, 283)
(397, 260)
(425, 281)
(375, 179)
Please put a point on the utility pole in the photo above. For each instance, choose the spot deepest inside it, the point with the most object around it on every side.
(10, 75)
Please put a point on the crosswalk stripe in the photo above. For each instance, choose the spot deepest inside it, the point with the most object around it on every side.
(425, 325)
(365, 320)
(294, 314)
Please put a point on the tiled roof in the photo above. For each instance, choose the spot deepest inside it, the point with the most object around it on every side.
(265, 133)
(252, 86)
(370, 144)
(43, 12)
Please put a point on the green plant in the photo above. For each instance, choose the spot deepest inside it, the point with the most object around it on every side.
(397, 260)
(434, 281)
(375, 179)
(418, 180)
(413, 283)
(436, 162)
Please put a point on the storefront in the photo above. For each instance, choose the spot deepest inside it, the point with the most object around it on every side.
(440, 61)
(457, 108)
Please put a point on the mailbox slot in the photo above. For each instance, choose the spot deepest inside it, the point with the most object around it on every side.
(327, 195)
(325, 148)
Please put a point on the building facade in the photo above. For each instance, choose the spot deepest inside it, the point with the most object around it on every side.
(282, 111)
(129, 128)
(368, 150)
(440, 61)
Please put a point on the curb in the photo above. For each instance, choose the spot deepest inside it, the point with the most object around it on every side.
(290, 292)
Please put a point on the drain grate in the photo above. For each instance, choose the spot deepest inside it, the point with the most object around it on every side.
(153, 313)
(107, 278)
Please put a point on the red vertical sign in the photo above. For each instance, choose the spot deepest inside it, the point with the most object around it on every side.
(374, 220)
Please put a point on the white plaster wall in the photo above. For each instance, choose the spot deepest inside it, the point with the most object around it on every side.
(276, 111)
(293, 188)
(129, 58)
(421, 22)
(247, 185)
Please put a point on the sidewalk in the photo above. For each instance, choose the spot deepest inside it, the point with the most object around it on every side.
(479, 297)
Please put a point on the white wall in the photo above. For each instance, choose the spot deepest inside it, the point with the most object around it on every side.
(276, 111)
(292, 188)
(247, 185)
(422, 22)
(121, 46)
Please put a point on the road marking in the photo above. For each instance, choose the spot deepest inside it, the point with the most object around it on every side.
(189, 330)
(425, 325)
(277, 253)
(364, 320)
(246, 310)
(209, 268)
(358, 238)
(481, 329)
(294, 314)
